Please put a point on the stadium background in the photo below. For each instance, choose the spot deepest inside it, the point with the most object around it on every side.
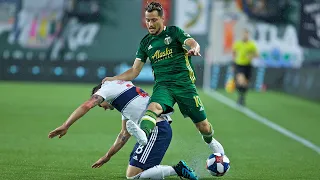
(47, 43)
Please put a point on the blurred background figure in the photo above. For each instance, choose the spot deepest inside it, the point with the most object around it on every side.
(244, 51)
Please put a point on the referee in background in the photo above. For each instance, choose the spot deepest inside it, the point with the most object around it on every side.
(244, 51)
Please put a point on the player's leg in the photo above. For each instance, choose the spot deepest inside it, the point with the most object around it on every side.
(145, 160)
(135, 131)
(243, 74)
(161, 171)
(161, 101)
(191, 106)
(206, 130)
(156, 172)
(133, 172)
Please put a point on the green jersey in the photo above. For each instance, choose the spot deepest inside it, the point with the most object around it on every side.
(168, 57)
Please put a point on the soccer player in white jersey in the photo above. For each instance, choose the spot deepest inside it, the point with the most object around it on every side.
(132, 101)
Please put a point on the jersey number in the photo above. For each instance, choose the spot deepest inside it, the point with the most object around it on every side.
(197, 100)
(139, 149)
(141, 92)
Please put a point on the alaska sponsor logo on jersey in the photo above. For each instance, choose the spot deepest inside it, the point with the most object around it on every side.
(161, 55)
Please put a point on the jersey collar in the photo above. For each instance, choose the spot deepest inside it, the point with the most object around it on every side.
(164, 29)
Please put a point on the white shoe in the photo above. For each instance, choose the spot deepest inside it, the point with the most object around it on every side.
(135, 131)
(215, 146)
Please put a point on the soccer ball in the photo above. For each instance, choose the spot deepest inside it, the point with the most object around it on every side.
(218, 164)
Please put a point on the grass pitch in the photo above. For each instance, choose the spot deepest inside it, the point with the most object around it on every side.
(29, 111)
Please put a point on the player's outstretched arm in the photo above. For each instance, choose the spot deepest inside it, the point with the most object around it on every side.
(121, 140)
(194, 47)
(77, 114)
(130, 74)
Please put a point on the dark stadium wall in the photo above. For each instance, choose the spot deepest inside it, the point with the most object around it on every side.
(113, 35)
(303, 82)
(74, 71)
(80, 45)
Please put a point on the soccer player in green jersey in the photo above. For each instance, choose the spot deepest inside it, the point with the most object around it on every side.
(173, 73)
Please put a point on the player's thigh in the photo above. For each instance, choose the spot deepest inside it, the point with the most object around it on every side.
(162, 96)
(190, 104)
(240, 78)
(145, 157)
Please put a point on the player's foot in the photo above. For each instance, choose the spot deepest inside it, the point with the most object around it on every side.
(136, 132)
(216, 147)
(183, 170)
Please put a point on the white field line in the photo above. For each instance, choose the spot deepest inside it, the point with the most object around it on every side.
(262, 120)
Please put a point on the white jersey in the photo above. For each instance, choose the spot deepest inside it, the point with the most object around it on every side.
(128, 99)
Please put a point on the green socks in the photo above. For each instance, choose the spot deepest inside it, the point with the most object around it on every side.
(208, 137)
(148, 122)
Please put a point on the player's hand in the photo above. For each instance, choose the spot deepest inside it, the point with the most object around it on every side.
(101, 162)
(194, 52)
(61, 131)
(108, 79)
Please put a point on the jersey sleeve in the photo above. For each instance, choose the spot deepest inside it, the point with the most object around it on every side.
(105, 91)
(141, 53)
(182, 36)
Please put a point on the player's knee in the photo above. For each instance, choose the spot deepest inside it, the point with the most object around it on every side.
(241, 79)
(133, 172)
(133, 175)
(155, 107)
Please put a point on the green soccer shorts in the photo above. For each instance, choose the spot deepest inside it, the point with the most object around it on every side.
(186, 96)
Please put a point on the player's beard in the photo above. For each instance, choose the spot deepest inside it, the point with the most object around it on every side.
(156, 31)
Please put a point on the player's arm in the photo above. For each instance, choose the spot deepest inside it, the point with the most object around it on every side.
(121, 140)
(77, 114)
(131, 73)
(234, 50)
(253, 52)
(186, 39)
(134, 71)
(234, 54)
(83, 109)
(194, 47)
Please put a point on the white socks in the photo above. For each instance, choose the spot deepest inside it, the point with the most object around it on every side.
(215, 146)
(156, 172)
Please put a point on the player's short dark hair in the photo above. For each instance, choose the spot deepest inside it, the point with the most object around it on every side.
(155, 6)
(96, 88)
